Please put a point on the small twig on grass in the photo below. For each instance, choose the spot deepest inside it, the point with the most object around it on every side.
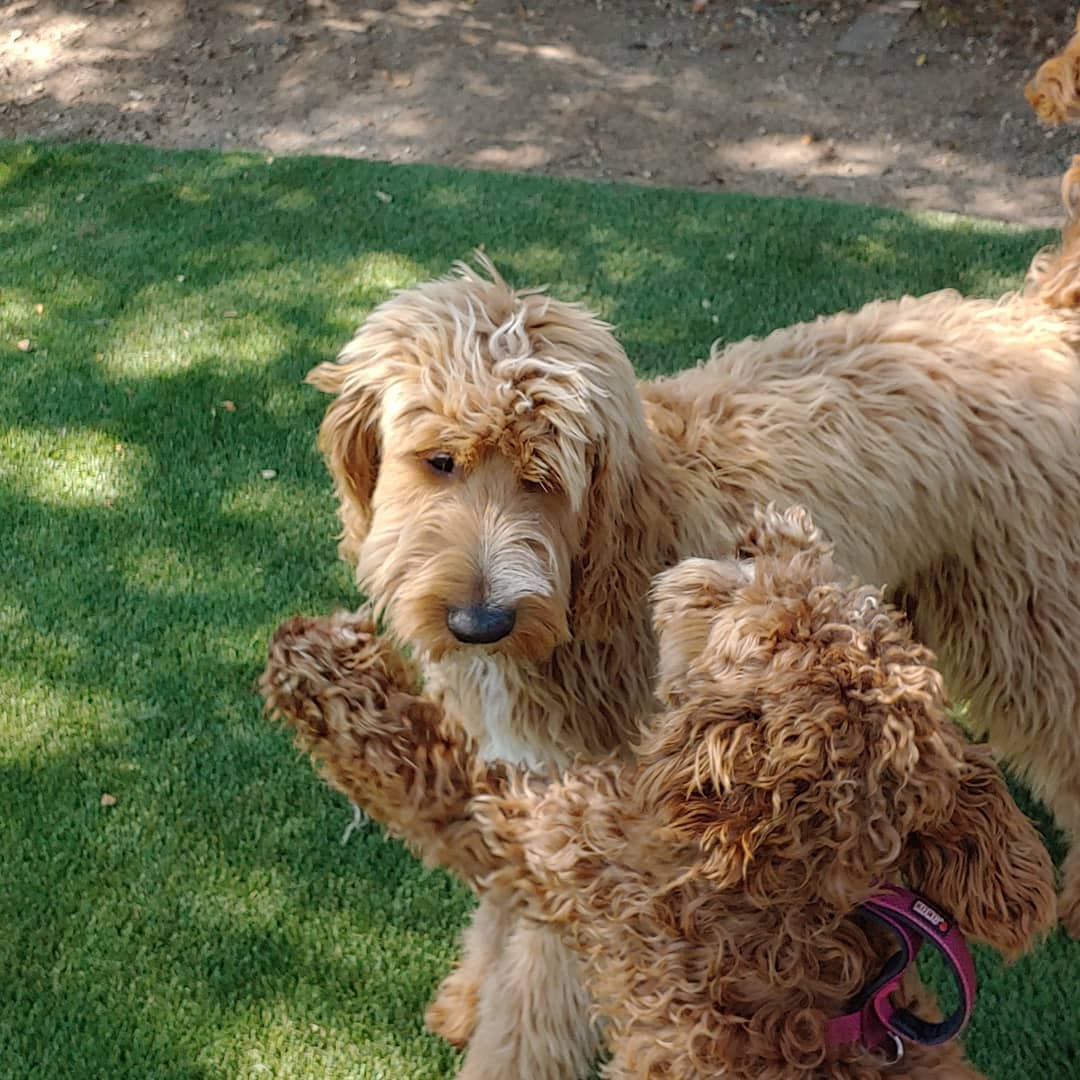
(358, 818)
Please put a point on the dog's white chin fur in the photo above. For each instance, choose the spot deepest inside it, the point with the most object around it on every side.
(489, 680)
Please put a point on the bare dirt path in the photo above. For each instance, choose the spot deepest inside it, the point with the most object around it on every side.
(900, 103)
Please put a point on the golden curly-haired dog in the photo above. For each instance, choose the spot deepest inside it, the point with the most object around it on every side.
(1054, 92)
(508, 491)
(802, 757)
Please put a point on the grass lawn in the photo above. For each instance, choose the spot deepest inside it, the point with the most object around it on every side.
(157, 314)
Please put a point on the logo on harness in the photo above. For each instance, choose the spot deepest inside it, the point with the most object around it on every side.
(931, 916)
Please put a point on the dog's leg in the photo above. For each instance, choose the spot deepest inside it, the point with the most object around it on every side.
(533, 1018)
(1066, 809)
(1069, 901)
(452, 1015)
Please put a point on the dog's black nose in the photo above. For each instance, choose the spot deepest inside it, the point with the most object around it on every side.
(480, 624)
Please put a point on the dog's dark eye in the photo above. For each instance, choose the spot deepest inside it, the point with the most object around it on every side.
(441, 463)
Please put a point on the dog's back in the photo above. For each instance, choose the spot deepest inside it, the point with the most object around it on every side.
(937, 438)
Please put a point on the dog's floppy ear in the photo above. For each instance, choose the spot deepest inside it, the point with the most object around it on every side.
(625, 534)
(610, 565)
(349, 440)
(985, 863)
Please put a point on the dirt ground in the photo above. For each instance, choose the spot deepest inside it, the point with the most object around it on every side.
(897, 103)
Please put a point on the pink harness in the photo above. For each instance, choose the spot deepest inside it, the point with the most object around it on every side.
(912, 921)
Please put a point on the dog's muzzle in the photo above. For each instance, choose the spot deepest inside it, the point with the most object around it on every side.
(480, 624)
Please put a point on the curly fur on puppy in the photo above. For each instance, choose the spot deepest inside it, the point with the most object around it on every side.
(802, 755)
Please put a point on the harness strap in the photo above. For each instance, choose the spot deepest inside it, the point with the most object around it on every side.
(912, 921)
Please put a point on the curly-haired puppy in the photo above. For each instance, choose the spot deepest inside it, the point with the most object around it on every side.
(803, 756)
(508, 491)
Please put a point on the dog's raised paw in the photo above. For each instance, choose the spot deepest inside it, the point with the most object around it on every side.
(340, 658)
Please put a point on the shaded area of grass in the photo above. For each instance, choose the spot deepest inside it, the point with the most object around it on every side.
(209, 922)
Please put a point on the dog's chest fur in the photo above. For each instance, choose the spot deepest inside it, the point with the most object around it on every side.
(586, 700)
(486, 695)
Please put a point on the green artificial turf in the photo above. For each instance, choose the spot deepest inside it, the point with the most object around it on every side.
(210, 923)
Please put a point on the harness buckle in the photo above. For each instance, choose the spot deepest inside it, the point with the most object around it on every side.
(882, 1051)
(878, 1023)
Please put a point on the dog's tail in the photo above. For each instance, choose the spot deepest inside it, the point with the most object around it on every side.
(1054, 275)
(1054, 93)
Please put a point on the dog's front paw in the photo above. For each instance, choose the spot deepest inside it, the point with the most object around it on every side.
(325, 671)
(323, 647)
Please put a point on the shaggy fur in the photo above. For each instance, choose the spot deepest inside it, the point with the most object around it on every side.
(936, 438)
(1054, 93)
(803, 754)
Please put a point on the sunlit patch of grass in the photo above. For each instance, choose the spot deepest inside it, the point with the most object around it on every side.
(78, 467)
